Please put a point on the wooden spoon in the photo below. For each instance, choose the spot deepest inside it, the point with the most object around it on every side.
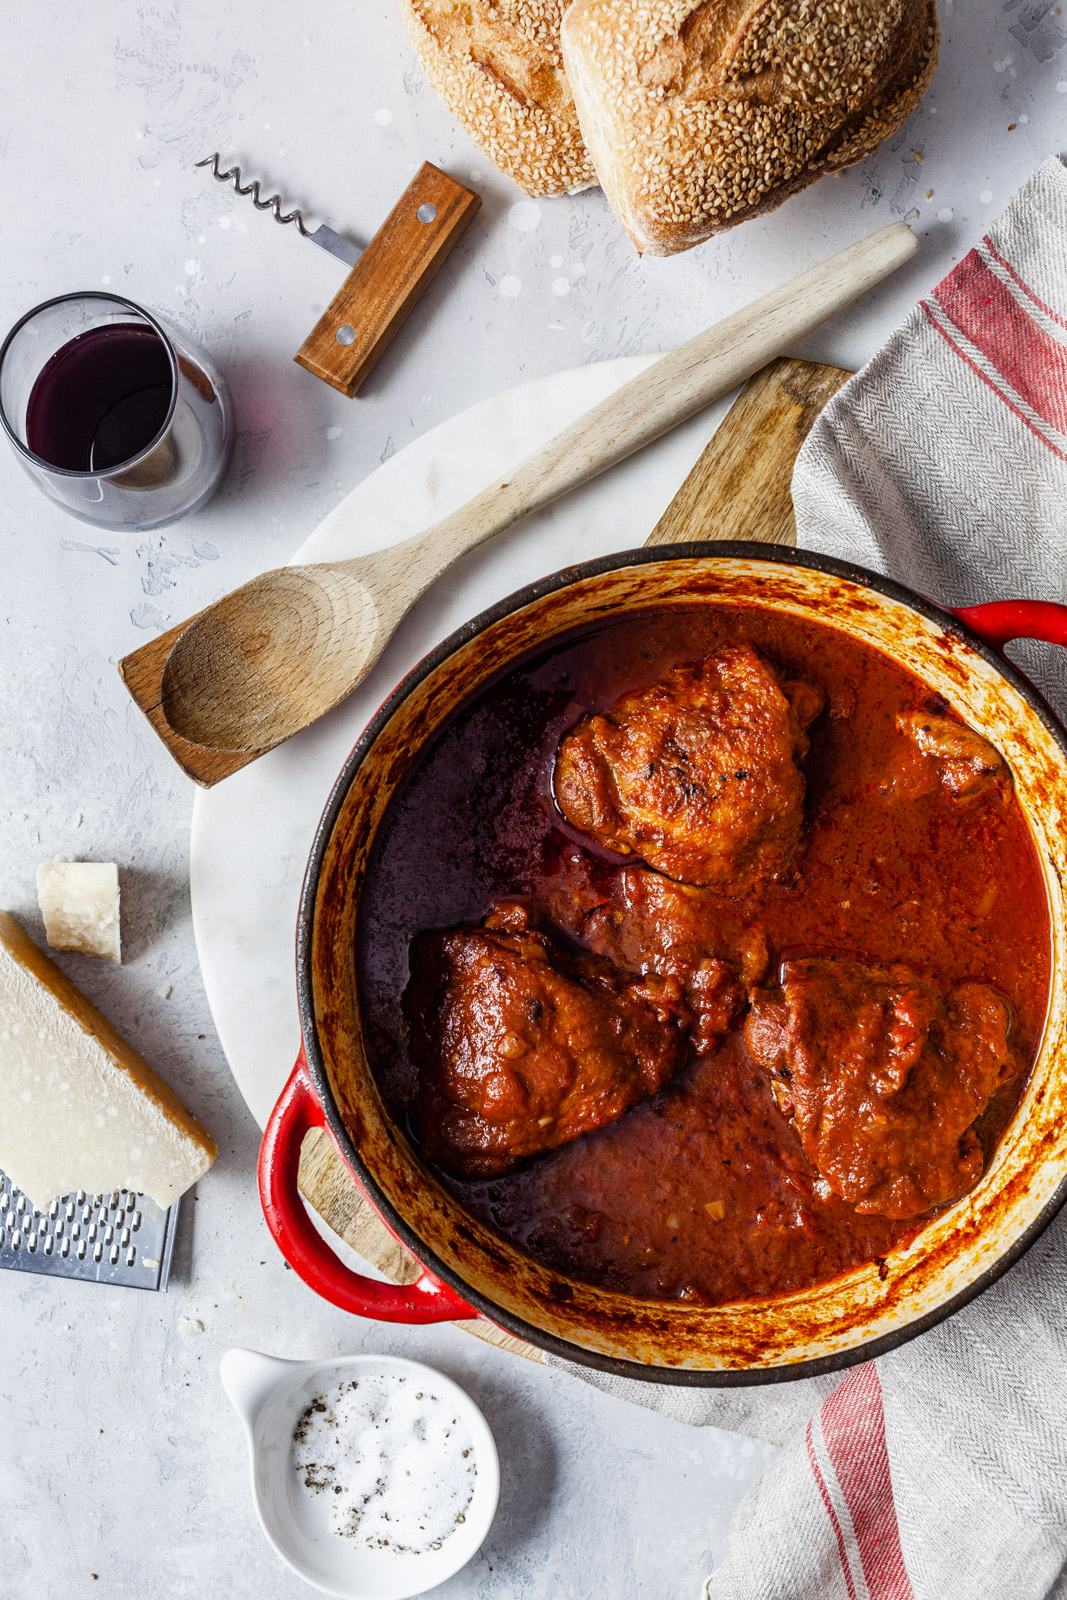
(270, 658)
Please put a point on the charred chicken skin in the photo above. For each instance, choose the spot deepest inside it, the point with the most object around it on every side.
(883, 1076)
(521, 1047)
(698, 774)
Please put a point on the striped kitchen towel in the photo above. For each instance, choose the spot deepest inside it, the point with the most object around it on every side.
(940, 1471)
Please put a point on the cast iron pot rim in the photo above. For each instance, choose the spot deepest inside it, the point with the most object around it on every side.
(689, 1377)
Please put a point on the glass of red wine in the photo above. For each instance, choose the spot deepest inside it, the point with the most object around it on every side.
(119, 420)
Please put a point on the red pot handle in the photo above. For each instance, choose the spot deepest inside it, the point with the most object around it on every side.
(999, 621)
(297, 1110)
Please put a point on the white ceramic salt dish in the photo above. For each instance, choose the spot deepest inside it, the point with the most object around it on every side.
(270, 1395)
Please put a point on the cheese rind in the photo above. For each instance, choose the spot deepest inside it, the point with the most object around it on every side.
(79, 1109)
(79, 901)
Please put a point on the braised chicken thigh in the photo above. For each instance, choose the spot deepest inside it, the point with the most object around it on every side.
(521, 1048)
(699, 773)
(883, 1077)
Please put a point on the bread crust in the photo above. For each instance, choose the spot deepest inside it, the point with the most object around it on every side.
(702, 113)
(498, 67)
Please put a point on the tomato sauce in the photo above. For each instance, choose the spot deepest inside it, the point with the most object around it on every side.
(703, 1192)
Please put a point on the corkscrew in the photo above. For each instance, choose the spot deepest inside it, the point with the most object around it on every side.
(386, 278)
(326, 238)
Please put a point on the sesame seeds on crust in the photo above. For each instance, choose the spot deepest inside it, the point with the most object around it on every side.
(701, 113)
(498, 66)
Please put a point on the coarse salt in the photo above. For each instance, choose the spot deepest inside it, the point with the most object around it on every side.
(396, 1461)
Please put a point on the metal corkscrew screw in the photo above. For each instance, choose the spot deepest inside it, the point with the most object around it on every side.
(273, 203)
(325, 237)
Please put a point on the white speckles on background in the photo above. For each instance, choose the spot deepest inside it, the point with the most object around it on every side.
(192, 268)
(110, 553)
(945, 214)
(525, 215)
(555, 262)
(986, 197)
(334, 432)
(149, 616)
(510, 287)
(561, 287)
(162, 563)
(383, 117)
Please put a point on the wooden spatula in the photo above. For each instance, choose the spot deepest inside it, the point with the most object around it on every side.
(270, 658)
(739, 489)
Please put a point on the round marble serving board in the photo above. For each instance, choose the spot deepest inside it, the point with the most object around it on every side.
(251, 835)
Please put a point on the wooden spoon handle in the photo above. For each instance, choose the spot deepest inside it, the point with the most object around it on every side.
(664, 395)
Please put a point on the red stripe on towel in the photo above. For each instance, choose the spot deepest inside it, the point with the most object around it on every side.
(987, 312)
(853, 1426)
(1012, 407)
(1025, 287)
(831, 1513)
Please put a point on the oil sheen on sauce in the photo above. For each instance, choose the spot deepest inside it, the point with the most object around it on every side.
(703, 1192)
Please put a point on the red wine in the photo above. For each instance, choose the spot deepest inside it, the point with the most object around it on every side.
(101, 399)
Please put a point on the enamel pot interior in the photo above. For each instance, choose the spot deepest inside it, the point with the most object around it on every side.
(814, 1330)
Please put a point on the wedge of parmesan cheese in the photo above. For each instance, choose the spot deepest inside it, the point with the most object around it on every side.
(79, 901)
(78, 1108)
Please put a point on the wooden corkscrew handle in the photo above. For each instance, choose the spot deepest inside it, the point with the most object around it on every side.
(387, 279)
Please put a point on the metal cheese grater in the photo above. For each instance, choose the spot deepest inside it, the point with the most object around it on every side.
(119, 1238)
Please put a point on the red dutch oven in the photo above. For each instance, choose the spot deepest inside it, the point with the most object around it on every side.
(467, 1269)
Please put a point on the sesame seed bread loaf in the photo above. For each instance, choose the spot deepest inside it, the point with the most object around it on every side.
(701, 113)
(497, 66)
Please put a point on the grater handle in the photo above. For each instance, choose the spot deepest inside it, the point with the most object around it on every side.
(298, 1110)
(387, 279)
